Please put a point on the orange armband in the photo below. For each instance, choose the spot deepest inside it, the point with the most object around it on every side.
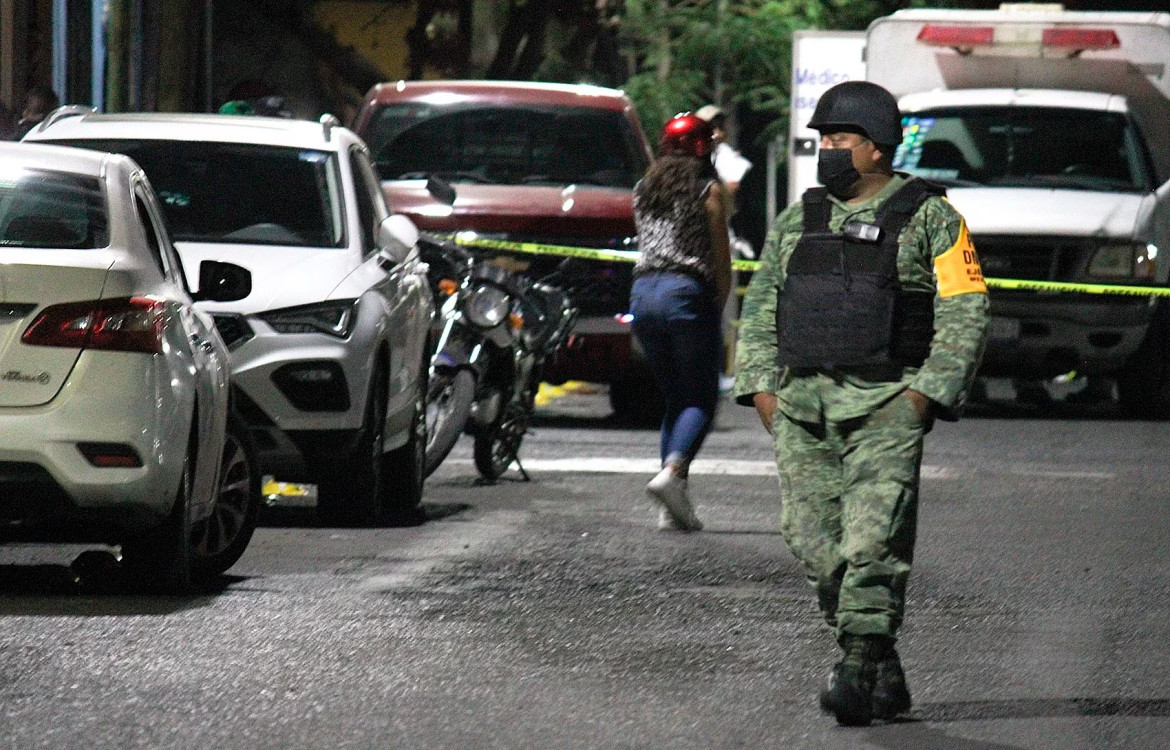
(957, 270)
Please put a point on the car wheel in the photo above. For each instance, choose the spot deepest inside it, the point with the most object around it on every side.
(158, 561)
(1143, 387)
(449, 399)
(404, 468)
(350, 488)
(219, 540)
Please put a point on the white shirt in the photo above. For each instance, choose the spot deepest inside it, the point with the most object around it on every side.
(729, 163)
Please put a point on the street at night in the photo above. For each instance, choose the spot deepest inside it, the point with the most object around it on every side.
(552, 613)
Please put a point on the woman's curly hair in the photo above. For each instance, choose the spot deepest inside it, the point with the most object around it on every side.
(670, 178)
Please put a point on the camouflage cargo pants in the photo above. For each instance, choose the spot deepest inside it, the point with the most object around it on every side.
(849, 493)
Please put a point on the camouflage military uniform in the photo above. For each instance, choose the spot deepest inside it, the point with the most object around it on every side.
(848, 449)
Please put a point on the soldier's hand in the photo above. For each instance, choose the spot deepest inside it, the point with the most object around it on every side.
(765, 404)
(921, 402)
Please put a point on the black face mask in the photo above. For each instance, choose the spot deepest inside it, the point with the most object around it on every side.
(835, 170)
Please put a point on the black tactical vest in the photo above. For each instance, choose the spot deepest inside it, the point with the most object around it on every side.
(842, 305)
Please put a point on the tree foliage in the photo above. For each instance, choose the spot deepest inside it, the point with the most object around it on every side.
(686, 53)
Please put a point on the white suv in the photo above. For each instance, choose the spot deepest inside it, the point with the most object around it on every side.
(329, 351)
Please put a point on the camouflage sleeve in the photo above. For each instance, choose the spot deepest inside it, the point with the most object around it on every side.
(961, 319)
(755, 350)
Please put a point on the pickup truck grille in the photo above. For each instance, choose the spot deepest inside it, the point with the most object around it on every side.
(1031, 258)
(594, 287)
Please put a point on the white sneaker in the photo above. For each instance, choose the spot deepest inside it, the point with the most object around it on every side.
(666, 521)
(669, 490)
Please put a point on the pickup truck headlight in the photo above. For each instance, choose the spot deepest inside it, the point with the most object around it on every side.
(487, 305)
(1124, 260)
(335, 318)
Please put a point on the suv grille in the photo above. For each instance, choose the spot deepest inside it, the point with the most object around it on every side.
(233, 329)
(594, 287)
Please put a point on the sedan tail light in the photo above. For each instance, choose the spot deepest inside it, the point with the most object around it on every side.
(126, 324)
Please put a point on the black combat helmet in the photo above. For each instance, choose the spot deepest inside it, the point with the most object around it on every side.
(859, 106)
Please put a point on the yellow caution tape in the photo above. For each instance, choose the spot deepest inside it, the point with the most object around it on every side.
(630, 256)
(1061, 286)
(625, 256)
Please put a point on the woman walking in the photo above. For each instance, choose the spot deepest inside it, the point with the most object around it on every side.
(681, 282)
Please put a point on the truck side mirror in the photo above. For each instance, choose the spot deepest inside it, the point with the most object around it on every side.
(396, 236)
(222, 282)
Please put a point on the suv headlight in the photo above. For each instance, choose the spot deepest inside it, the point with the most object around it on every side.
(335, 318)
(1124, 260)
(487, 305)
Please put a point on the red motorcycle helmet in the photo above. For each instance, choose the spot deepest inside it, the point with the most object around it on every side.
(686, 135)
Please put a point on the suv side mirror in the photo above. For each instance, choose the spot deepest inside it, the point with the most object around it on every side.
(396, 236)
(222, 282)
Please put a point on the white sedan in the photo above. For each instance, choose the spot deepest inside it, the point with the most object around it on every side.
(114, 389)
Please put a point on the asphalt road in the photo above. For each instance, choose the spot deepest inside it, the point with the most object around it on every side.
(552, 614)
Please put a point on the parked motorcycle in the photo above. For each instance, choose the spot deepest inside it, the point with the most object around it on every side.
(451, 387)
(496, 329)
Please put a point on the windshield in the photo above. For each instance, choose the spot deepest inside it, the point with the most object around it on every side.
(507, 145)
(1025, 147)
(51, 209)
(239, 193)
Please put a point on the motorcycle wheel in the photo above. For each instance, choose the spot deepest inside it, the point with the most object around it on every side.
(449, 401)
(497, 448)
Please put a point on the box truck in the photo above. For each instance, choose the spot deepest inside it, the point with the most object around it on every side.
(1049, 129)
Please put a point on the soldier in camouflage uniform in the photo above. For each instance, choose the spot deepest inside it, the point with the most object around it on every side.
(848, 427)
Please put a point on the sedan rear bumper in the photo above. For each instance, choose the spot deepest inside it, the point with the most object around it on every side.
(49, 488)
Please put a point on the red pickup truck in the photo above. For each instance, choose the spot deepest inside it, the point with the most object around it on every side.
(542, 163)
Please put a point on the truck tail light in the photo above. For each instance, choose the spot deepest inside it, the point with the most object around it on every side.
(1080, 39)
(125, 324)
(957, 36)
(1067, 40)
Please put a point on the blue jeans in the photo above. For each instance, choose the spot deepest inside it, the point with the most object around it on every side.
(680, 329)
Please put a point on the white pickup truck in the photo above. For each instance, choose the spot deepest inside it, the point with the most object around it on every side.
(1051, 131)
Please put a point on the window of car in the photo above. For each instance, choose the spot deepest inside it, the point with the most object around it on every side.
(157, 237)
(239, 192)
(50, 209)
(505, 144)
(1025, 147)
(371, 203)
(150, 231)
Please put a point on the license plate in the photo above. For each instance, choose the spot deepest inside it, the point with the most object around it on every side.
(1004, 329)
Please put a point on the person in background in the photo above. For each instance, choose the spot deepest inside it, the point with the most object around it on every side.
(731, 167)
(729, 163)
(39, 101)
(681, 282)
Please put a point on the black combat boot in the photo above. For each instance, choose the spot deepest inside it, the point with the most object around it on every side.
(890, 694)
(850, 693)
